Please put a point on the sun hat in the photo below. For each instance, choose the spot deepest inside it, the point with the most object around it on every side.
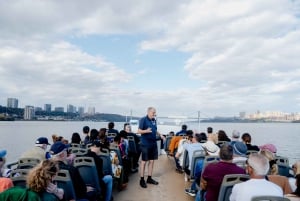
(2, 153)
(240, 149)
(270, 147)
(42, 140)
(58, 147)
(211, 148)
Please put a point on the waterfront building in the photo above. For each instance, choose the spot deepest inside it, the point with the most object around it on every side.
(71, 108)
(12, 103)
(91, 111)
(28, 112)
(81, 111)
(59, 109)
(47, 107)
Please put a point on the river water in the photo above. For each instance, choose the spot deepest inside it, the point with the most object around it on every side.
(18, 136)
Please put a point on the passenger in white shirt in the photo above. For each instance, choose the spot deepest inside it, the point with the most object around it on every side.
(257, 167)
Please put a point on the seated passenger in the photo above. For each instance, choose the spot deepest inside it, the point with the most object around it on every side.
(104, 140)
(40, 180)
(106, 181)
(182, 131)
(211, 149)
(59, 152)
(239, 153)
(125, 162)
(273, 176)
(246, 137)
(179, 153)
(5, 183)
(296, 170)
(222, 137)
(212, 175)
(270, 147)
(39, 151)
(257, 167)
(190, 148)
(295, 196)
(174, 145)
(136, 155)
(235, 137)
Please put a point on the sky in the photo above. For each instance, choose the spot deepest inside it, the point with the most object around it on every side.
(219, 57)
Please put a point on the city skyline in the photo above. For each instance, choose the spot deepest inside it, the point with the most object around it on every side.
(181, 57)
(29, 111)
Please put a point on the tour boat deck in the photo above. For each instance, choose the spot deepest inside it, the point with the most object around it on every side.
(171, 184)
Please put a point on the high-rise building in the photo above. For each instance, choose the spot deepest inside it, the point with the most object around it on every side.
(12, 103)
(71, 108)
(81, 111)
(91, 110)
(28, 112)
(47, 107)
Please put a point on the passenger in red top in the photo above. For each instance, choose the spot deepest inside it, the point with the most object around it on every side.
(213, 174)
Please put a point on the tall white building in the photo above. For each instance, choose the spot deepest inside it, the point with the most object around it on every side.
(28, 112)
(91, 111)
(12, 103)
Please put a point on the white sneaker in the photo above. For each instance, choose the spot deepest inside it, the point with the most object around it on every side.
(163, 152)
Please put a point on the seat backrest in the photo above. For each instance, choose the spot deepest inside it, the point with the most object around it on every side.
(210, 159)
(63, 180)
(107, 167)
(19, 176)
(27, 163)
(283, 166)
(131, 145)
(186, 160)
(88, 171)
(269, 198)
(78, 151)
(111, 135)
(197, 155)
(167, 143)
(75, 145)
(227, 184)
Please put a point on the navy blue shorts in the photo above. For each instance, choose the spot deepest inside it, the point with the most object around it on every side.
(149, 152)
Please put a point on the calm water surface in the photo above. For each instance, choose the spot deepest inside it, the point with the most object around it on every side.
(18, 136)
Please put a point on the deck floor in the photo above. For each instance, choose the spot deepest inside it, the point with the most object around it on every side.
(171, 185)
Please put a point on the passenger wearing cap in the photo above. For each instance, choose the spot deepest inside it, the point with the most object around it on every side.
(235, 136)
(5, 183)
(58, 152)
(39, 151)
(239, 153)
(270, 147)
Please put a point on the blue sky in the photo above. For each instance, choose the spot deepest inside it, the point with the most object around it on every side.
(217, 57)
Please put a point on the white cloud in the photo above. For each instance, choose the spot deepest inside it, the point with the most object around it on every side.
(243, 54)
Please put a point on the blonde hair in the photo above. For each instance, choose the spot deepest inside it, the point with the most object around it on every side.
(271, 157)
(40, 176)
(297, 167)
